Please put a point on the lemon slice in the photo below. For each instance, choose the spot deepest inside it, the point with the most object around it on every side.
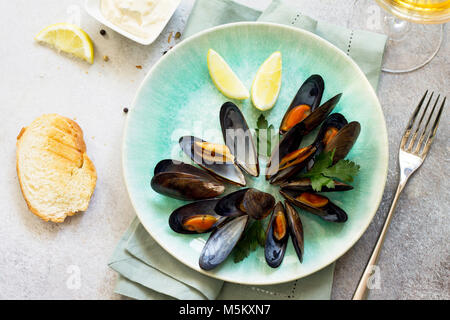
(68, 38)
(267, 84)
(224, 78)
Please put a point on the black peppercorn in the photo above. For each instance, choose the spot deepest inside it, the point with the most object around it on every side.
(102, 32)
(125, 110)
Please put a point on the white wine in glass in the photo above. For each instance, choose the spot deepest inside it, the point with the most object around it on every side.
(415, 30)
(419, 11)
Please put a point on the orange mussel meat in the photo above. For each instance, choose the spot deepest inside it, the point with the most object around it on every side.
(296, 115)
(199, 223)
(313, 200)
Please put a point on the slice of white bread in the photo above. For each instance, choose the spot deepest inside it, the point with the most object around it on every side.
(56, 176)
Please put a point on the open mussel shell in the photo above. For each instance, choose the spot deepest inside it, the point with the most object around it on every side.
(307, 154)
(295, 161)
(292, 139)
(221, 242)
(304, 103)
(319, 115)
(295, 229)
(331, 126)
(344, 140)
(290, 142)
(185, 182)
(258, 204)
(196, 217)
(221, 166)
(277, 236)
(238, 138)
(170, 165)
(329, 129)
(304, 185)
(316, 204)
(231, 204)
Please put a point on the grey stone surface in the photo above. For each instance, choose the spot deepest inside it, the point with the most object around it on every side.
(40, 260)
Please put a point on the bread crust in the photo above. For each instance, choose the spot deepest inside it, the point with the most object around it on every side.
(73, 130)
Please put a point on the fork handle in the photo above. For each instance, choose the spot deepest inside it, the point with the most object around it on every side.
(361, 289)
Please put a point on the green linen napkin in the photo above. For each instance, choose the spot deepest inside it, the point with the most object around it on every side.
(146, 270)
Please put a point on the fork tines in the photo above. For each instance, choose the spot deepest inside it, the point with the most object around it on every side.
(421, 130)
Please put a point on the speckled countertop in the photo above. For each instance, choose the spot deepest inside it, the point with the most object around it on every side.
(38, 259)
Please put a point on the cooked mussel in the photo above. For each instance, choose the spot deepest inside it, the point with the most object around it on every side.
(221, 242)
(215, 158)
(343, 141)
(295, 229)
(184, 181)
(277, 235)
(304, 185)
(238, 138)
(304, 103)
(231, 205)
(252, 202)
(170, 165)
(319, 115)
(296, 160)
(316, 204)
(258, 204)
(328, 131)
(196, 217)
(291, 141)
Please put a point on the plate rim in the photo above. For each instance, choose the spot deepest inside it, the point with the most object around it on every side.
(385, 156)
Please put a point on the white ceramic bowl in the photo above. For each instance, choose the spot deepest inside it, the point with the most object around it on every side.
(94, 10)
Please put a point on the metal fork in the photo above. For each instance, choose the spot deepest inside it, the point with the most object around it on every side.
(411, 156)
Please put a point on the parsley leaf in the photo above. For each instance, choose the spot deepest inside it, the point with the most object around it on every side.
(264, 134)
(262, 122)
(253, 237)
(322, 174)
(323, 161)
(343, 170)
(318, 181)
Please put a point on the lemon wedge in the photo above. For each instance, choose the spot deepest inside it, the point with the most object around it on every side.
(68, 38)
(267, 84)
(225, 80)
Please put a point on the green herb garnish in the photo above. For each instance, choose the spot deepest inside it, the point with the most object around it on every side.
(253, 237)
(264, 134)
(323, 173)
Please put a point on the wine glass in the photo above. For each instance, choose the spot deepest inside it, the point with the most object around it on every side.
(415, 29)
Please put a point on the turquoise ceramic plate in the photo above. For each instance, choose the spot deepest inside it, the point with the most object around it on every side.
(178, 98)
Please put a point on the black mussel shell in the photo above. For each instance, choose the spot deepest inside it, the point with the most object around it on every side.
(304, 184)
(291, 141)
(202, 209)
(284, 174)
(225, 170)
(274, 249)
(258, 204)
(185, 186)
(185, 182)
(319, 115)
(336, 121)
(309, 94)
(344, 141)
(221, 242)
(329, 212)
(231, 204)
(295, 229)
(170, 165)
(238, 138)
